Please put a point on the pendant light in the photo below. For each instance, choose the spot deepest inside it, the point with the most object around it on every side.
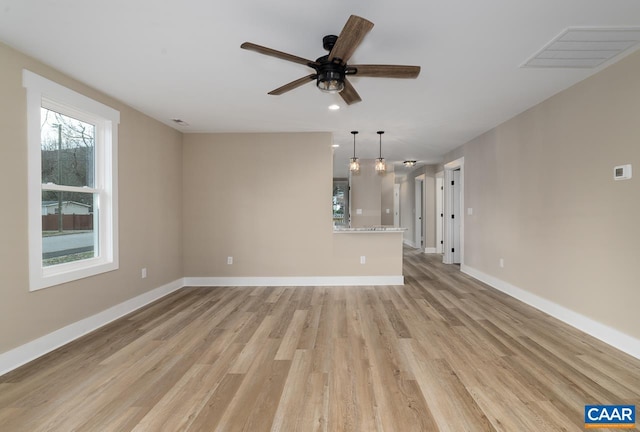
(354, 164)
(381, 167)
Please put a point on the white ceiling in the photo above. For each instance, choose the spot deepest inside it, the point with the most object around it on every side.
(183, 60)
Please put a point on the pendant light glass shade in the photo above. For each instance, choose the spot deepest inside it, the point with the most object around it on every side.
(354, 163)
(381, 166)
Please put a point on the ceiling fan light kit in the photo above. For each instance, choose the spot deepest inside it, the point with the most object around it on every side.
(330, 80)
(330, 77)
(331, 70)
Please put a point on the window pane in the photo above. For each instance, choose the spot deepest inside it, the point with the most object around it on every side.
(68, 227)
(340, 202)
(67, 150)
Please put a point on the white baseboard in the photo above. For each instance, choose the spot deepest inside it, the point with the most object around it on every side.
(25, 353)
(294, 281)
(611, 336)
(431, 250)
(409, 243)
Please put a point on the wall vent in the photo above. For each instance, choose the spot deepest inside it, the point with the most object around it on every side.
(578, 47)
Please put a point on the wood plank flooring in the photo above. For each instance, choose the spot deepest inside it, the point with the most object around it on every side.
(441, 353)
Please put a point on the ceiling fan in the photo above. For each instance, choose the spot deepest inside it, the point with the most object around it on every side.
(331, 70)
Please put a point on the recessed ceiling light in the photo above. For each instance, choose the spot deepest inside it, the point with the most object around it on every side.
(335, 145)
(334, 107)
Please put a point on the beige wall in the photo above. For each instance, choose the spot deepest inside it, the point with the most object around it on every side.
(544, 199)
(386, 200)
(265, 200)
(150, 176)
(366, 194)
(407, 207)
(373, 194)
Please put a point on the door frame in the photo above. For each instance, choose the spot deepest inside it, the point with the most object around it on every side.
(419, 235)
(448, 210)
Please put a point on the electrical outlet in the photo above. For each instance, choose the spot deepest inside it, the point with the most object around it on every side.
(363, 259)
(144, 272)
(501, 262)
(229, 260)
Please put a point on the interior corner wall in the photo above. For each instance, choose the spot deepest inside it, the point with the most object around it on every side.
(150, 214)
(264, 199)
(544, 199)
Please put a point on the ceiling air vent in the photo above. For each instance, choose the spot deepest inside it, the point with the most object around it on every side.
(584, 47)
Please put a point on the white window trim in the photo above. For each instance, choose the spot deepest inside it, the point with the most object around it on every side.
(41, 91)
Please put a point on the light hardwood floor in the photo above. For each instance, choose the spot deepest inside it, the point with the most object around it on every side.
(443, 352)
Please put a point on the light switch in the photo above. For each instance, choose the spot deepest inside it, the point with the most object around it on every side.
(469, 211)
(358, 211)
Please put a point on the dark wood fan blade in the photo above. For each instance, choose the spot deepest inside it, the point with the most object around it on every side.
(278, 54)
(293, 84)
(386, 71)
(350, 37)
(349, 94)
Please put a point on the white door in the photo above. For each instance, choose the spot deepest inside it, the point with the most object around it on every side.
(419, 224)
(453, 216)
(439, 213)
(456, 216)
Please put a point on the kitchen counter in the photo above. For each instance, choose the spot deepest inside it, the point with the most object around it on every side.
(364, 230)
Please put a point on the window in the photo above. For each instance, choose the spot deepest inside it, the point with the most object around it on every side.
(340, 202)
(72, 149)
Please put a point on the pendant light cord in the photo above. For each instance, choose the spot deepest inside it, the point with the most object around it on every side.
(354, 143)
